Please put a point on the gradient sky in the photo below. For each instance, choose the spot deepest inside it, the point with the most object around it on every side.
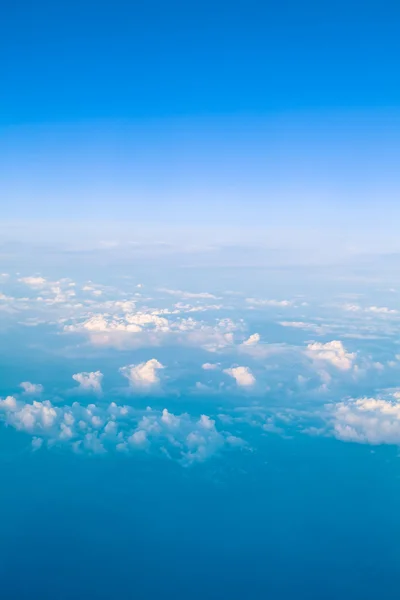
(199, 373)
(259, 115)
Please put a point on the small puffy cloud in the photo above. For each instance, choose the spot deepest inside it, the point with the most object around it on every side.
(383, 310)
(143, 375)
(188, 295)
(252, 340)
(31, 388)
(332, 352)
(367, 420)
(242, 375)
(35, 282)
(89, 382)
(280, 303)
(210, 366)
(319, 329)
(379, 310)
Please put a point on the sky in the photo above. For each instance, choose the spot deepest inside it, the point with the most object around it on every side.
(199, 300)
(214, 117)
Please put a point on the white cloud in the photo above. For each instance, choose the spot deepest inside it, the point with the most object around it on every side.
(102, 428)
(319, 329)
(188, 295)
(252, 340)
(35, 282)
(383, 310)
(257, 302)
(143, 375)
(332, 352)
(242, 375)
(31, 388)
(149, 329)
(367, 420)
(210, 366)
(89, 382)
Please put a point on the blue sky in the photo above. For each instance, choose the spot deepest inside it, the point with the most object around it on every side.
(258, 115)
(199, 300)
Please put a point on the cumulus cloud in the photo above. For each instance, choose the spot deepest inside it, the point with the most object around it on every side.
(151, 329)
(188, 295)
(252, 340)
(367, 420)
(319, 329)
(89, 382)
(35, 282)
(143, 375)
(31, 388)
(257, 302)
(242, 375)
(103, 428)
(210, 366)
(382, 310)
(333, 353)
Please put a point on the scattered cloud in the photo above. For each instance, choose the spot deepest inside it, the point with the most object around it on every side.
(318, 329)
(35, 282)
(210, 366)
(144, 375)
(252, 340)
(380, 310)
(98, 429)
(242, 375)
(367, 420)
(279, 303)
(31, 388)
(188, 295)
(333, 353)
(89, 382)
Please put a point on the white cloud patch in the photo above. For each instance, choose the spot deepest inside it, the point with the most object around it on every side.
(278, 303)
(151, 329)
(189, 295)
(99, 429)
(144, 375)
(31, 388)
(379, 310)
(367, 420)
(319, 329)
(89, 382)
(242, 375)
(210, 366)
(333, 353)
(252, 340)
(35, 282)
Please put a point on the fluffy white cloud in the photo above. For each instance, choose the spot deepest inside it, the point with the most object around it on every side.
(143, 375)
(150, 329)
(382, 310)
(257, 302)
(367, 420)
(242, 375)
(333, 353)
(252, 340)
(102, 428)
(31, 388)
(319, 329)
(35, 282)
(210, 366)
(89, 382)
(188, 295)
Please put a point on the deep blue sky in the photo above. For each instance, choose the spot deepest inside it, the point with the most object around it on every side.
(84, 60)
